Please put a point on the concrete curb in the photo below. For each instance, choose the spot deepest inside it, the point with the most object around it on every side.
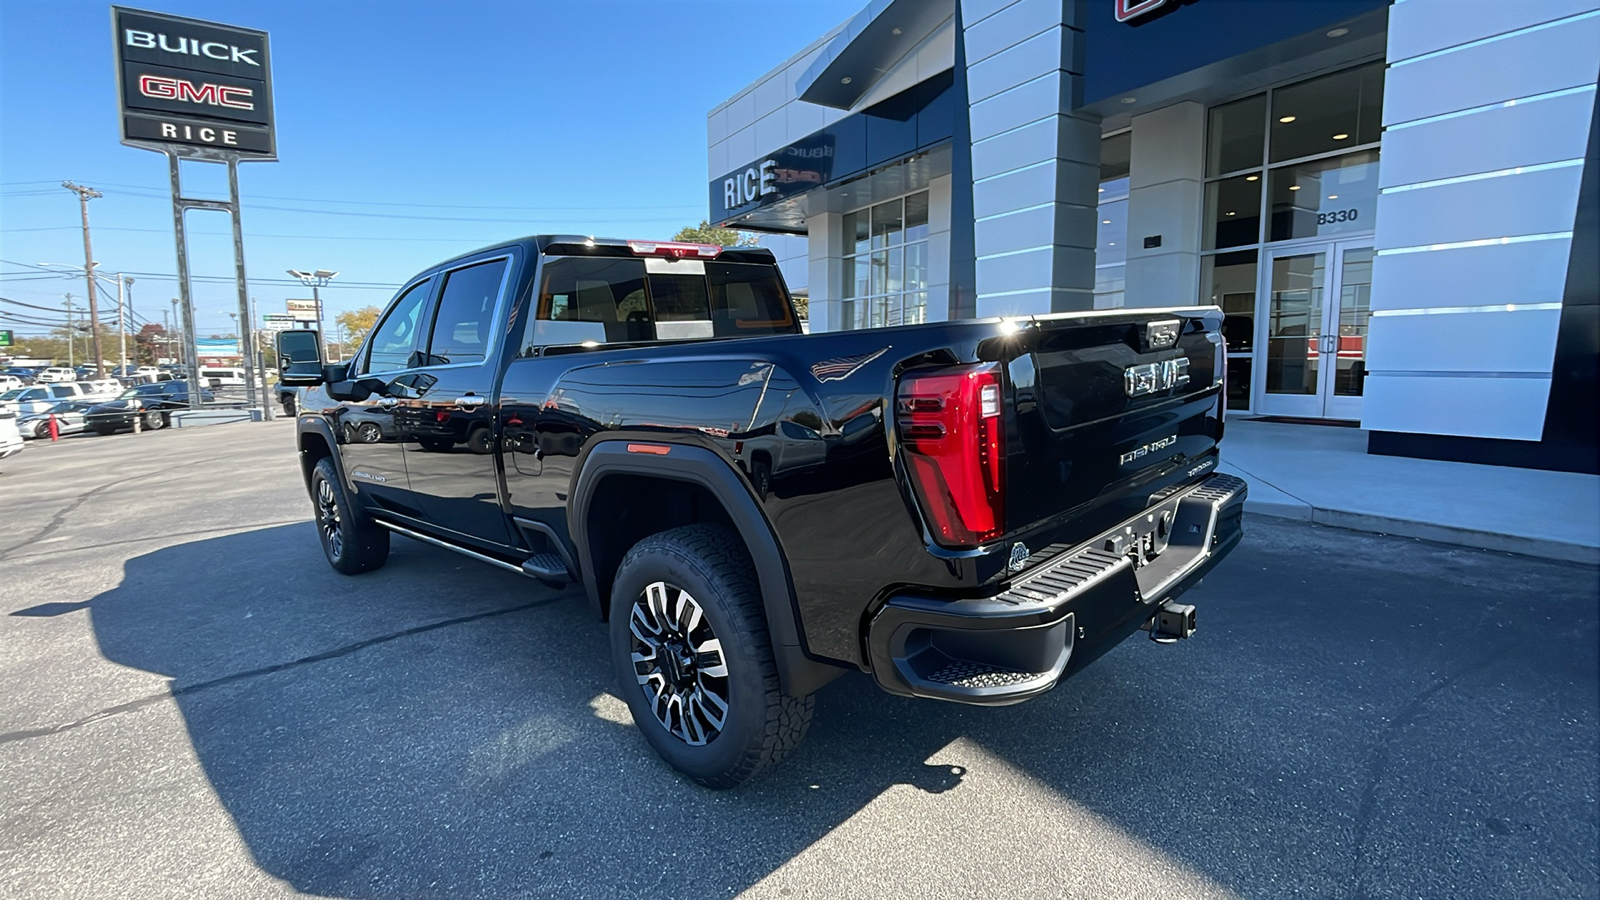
(1428, 531)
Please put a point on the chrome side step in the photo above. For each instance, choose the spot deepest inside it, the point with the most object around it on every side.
(429, 539)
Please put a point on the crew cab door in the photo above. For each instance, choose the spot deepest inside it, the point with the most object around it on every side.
(447, 404)
(370, 432)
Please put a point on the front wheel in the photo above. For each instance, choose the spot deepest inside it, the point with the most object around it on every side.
(154, 420)
(690, 646)
(352, 542)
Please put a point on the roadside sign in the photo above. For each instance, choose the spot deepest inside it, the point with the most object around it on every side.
(277, 322)
(302, 310)
(188, 86)
(5, 338)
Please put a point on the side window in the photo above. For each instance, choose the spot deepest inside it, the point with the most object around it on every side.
(462, 326)
(392, 341)
(590, 299)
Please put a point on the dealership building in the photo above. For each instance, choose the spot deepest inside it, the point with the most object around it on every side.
(1394, 204)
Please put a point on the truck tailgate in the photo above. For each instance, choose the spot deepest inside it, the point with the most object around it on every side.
(1109, 409)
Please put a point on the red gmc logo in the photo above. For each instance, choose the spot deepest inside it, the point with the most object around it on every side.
(162, 88)
(1133, 9)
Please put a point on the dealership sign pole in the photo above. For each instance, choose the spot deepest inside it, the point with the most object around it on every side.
(200, 91)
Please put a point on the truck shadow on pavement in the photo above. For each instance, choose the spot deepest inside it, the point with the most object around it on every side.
(440, 728)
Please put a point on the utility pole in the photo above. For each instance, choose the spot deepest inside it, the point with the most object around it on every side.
(86, 194)
(71, 361)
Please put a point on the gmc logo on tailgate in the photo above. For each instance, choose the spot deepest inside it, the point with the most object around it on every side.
(1152, 378)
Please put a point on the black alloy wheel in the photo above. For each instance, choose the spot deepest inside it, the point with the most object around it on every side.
(351, 541)
(694, 660)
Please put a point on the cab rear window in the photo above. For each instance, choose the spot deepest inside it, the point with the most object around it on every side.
(615, 300)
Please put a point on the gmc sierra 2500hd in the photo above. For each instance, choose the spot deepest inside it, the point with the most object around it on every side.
(967, 511)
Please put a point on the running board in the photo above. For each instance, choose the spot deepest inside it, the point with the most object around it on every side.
(429, 539)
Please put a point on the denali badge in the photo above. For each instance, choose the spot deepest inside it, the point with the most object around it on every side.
(1152, 377)
(1141, 452)
(1019, 556)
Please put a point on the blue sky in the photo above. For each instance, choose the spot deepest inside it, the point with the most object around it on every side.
(408, 132)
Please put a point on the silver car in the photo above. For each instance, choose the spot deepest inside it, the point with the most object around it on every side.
(68, 415)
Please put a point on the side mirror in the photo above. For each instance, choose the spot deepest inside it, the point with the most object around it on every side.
(354, 391)
(300, 358)
(410, 387)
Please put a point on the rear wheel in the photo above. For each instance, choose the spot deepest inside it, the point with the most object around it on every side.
(154, 420)
(690, 646)
(350, 539)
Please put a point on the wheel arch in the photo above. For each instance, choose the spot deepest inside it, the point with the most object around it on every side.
(316, 442)
(601, 534)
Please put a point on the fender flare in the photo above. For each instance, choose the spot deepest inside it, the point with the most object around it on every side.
(798, 673)
(320, 427)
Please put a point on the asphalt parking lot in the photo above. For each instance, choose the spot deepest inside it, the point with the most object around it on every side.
(196, 705)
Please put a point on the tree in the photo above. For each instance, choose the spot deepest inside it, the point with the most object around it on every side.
(356, 323)
(706, 233)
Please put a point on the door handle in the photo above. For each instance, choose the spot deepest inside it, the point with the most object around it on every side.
(388, 402)
(469, 403)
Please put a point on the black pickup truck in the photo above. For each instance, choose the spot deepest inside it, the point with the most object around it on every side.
(967, 511)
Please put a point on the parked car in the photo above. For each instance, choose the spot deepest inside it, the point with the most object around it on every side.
(69, 416)
(40, 396)
(22, 374)
(56, 374)
(985, 506)
(222, 376)
(7, 382)
(10, 438)
(152, 404)
(101, 388)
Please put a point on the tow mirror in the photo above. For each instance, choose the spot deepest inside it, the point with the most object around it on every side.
(300, 358)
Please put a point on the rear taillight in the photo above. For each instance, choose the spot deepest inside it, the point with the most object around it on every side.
(953, 435)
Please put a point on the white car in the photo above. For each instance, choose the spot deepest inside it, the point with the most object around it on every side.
(40, 396)
(147, 370)
(101, 388)
(222, 376)
(57, 374)
(7, 382)
(10, 438)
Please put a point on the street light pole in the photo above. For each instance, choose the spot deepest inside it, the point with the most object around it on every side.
(175, 352)
(72, 362)
(316, 278)
(124, 300)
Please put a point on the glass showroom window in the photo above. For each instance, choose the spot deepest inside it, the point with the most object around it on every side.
(886, 263)
(1297, 163)
(1111, 242)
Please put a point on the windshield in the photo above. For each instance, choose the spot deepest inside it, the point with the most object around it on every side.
(141, 390)
(12, 394)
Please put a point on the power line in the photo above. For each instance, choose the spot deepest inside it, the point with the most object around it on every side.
(161, 194)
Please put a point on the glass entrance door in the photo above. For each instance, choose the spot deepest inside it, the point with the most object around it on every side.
(1313, 340)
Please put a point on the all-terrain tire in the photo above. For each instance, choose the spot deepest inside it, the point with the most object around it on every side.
(351, 541)
(762, 725)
